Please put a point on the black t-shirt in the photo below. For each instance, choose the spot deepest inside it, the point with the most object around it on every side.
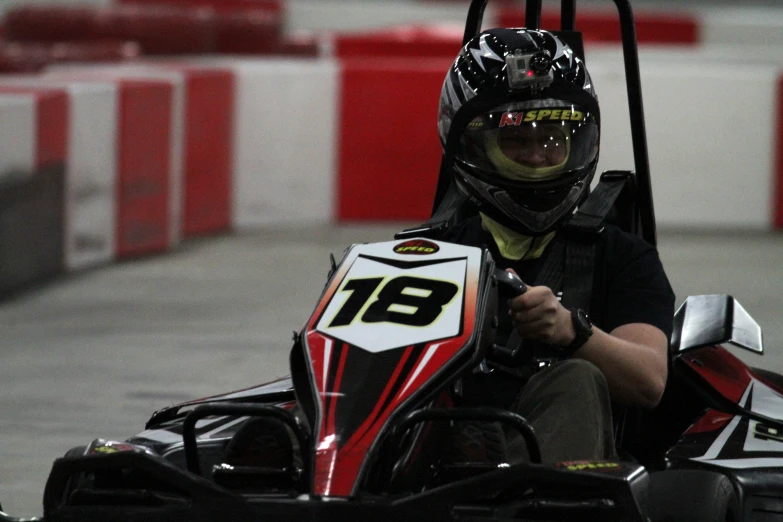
(629, 285)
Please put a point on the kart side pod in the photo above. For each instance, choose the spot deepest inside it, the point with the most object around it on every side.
(705, 320)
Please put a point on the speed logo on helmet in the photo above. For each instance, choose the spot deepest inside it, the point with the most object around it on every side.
(418, 247)
(518, 118)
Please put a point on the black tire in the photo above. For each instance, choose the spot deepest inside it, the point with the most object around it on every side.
(475, 441)
(78, 451)
(261, 442)
(78, 480)
(692, 496)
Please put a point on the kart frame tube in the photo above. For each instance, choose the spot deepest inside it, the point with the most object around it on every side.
(473, 414)
(240, 410)
(493, 494)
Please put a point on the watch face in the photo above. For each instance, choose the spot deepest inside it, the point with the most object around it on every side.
(584, 323)
(583, 329)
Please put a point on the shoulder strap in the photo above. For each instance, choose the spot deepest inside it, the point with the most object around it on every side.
(588, 221)
(581, 232)
(570, 261)
(570, 265)
(553, 268)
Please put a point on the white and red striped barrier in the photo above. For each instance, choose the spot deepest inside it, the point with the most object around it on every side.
(18, 128)
(31, 188)
(355, 139)
(285, 136)
(50, 109)
(150, 176)
(777, 195)
(144, 161)
(156, 151)
(90, 158)
(685, 24)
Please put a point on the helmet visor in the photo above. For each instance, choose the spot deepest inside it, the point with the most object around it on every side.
(533, 141)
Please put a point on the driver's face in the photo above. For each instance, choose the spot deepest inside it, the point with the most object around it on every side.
(536, 145)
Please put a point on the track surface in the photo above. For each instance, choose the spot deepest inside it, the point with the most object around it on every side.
(93, 355)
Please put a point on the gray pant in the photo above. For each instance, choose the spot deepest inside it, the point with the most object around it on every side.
(569, 408)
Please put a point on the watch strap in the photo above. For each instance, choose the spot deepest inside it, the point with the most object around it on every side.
(583, 329)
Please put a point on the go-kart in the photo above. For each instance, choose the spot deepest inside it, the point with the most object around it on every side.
(362, 428)
(365, 426)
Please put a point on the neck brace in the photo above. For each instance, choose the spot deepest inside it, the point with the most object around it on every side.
(515, 246)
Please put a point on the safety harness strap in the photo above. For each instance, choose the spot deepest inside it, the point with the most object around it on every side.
(570, 266)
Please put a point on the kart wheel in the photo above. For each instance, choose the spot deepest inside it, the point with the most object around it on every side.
(78, 451)
(479, 442)
(79, 480)
(692, 496)
(261, 442)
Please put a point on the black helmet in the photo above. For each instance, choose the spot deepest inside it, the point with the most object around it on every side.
(519, 122)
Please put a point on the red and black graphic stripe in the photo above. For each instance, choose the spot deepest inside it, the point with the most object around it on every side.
(370, 381)
(729, 437)
(362, 391)
(384, 404)
(733, 448)
(331, 392)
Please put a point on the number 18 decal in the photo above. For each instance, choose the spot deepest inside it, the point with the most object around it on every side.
(380, 307)
(403, 300)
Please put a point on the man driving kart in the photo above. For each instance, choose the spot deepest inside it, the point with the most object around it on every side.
(597, 315)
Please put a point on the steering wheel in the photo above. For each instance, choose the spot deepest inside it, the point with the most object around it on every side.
(512, 353)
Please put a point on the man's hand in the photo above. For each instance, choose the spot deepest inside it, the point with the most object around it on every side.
(632, 357)
(539, 316)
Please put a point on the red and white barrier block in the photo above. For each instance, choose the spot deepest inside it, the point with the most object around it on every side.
(148, 151)
(159, 150)
(201, 139)
(31, 189)
(141, 155)
(17, 136)
(356, 140)
(777, 202)
(87, 131)
(150, 161)
(389, 151)
(209, 149)
(51, 124)
(140, 120)
(285, 139)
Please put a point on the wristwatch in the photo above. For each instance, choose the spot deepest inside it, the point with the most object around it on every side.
(583, 328)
